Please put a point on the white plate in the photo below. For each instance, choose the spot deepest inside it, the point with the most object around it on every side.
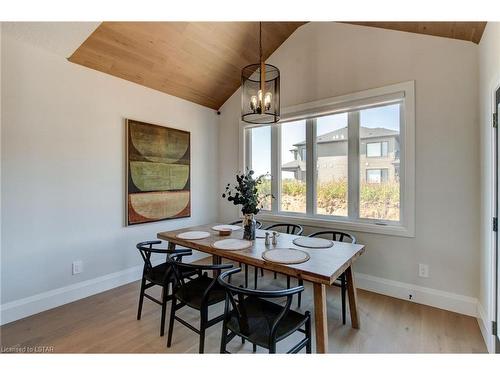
(226, 227)
(313, 242)
(232, 244)
(285, 256)
(193, 235)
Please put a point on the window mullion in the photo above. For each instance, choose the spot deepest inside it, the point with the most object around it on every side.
(310, 167)
(353, 164)
(275, 168)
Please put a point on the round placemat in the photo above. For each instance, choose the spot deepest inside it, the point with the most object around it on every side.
(193, 235)
(313, 242)
(232, 244)
(226, 227)
(285, 256)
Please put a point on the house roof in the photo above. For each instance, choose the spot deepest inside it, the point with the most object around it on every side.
(294, 164)
(340, 135)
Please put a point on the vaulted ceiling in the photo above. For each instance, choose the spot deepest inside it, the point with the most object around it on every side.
(197, 61)
(202, 61)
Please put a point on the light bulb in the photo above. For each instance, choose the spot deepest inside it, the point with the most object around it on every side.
(267, 101)
(253, 103)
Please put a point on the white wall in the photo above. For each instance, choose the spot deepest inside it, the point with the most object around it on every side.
(322, 60)
(489, 81)
(63, 168)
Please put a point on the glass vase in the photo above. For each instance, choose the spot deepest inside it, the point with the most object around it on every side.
(249, 225)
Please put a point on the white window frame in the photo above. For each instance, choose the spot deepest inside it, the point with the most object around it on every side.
(404, 92)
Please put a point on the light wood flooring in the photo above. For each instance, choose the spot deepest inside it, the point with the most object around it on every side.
(106, 323)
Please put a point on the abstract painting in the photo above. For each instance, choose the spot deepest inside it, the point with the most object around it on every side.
(158, 173)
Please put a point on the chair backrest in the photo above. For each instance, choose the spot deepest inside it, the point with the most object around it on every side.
(258, 224)
(235, 295)
(146, 249)
(287, 228)
(199, 268)
(335, 235)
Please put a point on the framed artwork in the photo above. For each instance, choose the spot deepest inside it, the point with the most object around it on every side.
(158, 173)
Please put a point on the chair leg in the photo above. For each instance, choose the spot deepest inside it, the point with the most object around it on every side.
(308, 334)
(299, 297)
(254, 348)
(272, 348)
(262, 272)
(141, 298)
(246, 275)
(255, 275)
(223, 339)
(275, 275)
(164, 295)
(203, 327)
(288, 282)
(171, 322)
(343, 290)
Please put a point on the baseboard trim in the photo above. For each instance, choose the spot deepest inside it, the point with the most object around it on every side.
(485, 327)
(24, 307)
(425, 296)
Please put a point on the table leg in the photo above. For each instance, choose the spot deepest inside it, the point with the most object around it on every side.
(216, 260)
(320, 318)
(351, 292)
(171, 247)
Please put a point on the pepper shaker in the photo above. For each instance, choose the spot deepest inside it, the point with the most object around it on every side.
(275, 241)
(268, 240)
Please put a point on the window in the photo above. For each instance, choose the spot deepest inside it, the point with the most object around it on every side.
(259, 158)
(376, 176)
(293, 168)
(377, 149)
(345, 163)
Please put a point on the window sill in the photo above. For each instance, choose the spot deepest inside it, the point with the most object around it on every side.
(317, 222)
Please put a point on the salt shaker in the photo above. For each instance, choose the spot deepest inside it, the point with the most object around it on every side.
(275, 241)
(268, 241)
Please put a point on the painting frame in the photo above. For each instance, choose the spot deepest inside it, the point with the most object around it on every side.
(135, 192)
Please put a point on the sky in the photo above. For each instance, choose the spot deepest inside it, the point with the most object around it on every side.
(294, 132)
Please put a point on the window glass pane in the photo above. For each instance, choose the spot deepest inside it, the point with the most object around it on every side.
(379, 163)
(260, 159)
(293, 166)
(331, 164)
(373, 149)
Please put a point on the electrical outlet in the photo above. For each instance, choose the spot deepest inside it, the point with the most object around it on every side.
(77, 267)
(423, 270)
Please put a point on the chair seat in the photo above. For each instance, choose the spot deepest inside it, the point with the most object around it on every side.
(192, 292)
(260, 315)
(157, 274)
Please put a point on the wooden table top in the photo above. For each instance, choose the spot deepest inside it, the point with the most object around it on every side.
(324, 265)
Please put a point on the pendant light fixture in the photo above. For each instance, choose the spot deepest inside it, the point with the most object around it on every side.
(260, 91)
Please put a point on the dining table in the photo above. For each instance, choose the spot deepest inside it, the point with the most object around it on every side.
(322, 268)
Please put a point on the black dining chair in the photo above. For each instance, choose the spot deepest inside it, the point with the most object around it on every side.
(258, 225)
(198, 293)
(339, 236)
(262, 322)
(160, 275)
(289, 229)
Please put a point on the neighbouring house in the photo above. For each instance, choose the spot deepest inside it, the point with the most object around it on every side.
(379, 156)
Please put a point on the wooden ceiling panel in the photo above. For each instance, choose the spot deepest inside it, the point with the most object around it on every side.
(197, 61)
(470, 31)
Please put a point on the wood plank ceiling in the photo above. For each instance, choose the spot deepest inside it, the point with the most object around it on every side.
(197, 61)
(470, 31)
(202, 61)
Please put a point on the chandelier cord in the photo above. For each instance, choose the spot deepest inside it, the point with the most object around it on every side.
(260, 40)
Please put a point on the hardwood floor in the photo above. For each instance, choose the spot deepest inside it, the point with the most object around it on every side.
(106, 323)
